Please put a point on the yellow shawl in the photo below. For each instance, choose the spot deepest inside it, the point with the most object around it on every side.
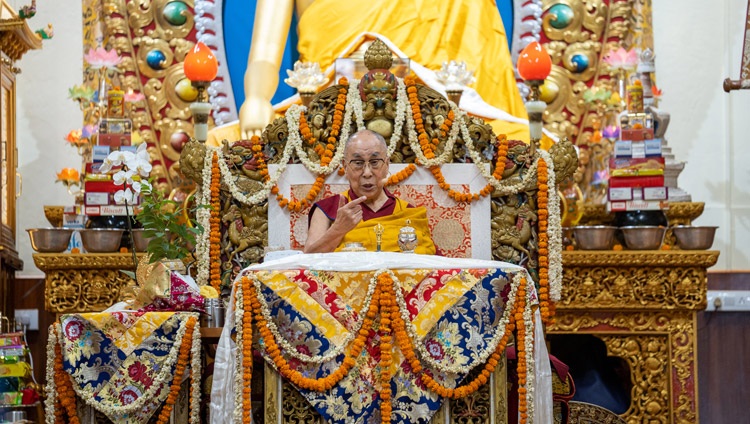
(364, 232)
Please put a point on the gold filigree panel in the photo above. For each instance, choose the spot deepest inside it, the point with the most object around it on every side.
(153, 41)
(76, 283)
(659, 346)
(577, 35)
(475, 409)
(586, 413)
(636, 280)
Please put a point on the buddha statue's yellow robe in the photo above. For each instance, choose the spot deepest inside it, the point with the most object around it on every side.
(364, 232)
(429, 32)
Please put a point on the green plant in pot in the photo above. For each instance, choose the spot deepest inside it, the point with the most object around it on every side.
(166, 223)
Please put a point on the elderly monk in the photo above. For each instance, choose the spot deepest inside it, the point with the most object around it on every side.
(352, 216)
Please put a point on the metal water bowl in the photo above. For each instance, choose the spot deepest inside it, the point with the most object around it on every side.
(140, 241)
(101, 240)
(594, 237)
(50, 240)
(643, 237)
(694, 238)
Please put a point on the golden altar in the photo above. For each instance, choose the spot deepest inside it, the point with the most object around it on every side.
(643, 305)
(83, 282)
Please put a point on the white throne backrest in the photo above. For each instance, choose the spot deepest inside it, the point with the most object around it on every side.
(459, 230)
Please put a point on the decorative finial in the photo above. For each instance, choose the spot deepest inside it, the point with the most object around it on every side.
(378, 56)
(378, 235)
(407, 238)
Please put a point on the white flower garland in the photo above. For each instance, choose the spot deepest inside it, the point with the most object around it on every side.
(238, 317)
(354, 108)
(195, 374)
(554, 230)
(332, 353)
(160, 382)
(51, 389)
(458, 124)
(354, 101)
(528, 322)
(483, 356)
(203, 217)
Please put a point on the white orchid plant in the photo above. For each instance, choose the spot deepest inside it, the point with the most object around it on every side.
(135, 168)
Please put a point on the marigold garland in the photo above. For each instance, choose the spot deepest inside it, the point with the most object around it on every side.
(316, 384)
(401, 175)
(247, 350)
(428, 149)
(521, 351)
(543, 214)
(325, 152)
(179, 372)
(467, 389)
(65, 394)
(215, 226)
(387, 300)
(385, 305)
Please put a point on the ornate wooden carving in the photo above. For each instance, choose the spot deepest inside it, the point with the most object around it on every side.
(643, 306)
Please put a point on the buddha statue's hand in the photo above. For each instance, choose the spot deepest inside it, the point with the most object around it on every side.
(255, 114)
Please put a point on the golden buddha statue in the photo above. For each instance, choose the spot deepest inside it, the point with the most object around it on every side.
(427, 32)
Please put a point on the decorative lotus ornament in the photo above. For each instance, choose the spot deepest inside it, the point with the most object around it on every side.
(132, 97)
(455, 76)
(100, 58)
(81, 94)
(306, 78)
(622, 59)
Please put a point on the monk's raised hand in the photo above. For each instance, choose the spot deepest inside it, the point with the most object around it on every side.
(349, 214)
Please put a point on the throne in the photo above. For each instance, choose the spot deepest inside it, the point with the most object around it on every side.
(265, 188)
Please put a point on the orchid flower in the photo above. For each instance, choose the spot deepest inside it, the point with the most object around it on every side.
(125, 196)
(139, 162)
(622, 59)
(122, 177)
(99, 58)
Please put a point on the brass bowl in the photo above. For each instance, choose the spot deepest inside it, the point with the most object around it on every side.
(54, 215)
(50, 240)
(140, 241)
(694, 238)
(101, 240)
(643, 237)
(594, 237)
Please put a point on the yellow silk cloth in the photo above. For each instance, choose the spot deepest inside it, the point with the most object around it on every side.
(429, 32)
(364, 232)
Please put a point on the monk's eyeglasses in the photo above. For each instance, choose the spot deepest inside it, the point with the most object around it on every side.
(359, 164)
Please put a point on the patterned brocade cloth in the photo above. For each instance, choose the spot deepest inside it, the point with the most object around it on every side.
(123, 363)
(455, 305)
